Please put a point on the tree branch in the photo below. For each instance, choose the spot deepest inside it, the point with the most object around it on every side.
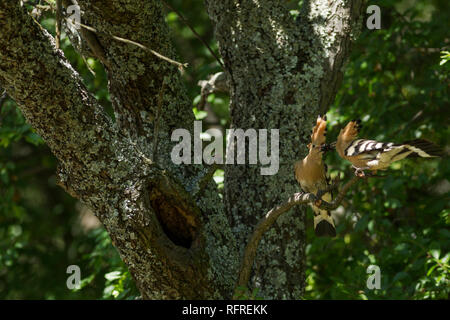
(270, 217)
(137, 202)
(186, 22)
(135, 76)
(180, 65)
(216, 83)
(3, 97)
(49, 91)
(342, 19)
(281, 75)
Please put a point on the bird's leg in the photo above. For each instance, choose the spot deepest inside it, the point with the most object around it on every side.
(333, 185)
(319, 195)
(360, 171)
(318, 202)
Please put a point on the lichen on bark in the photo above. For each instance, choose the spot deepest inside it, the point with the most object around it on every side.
(281, 72)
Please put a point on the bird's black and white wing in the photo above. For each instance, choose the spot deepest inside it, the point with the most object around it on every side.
(385, 153)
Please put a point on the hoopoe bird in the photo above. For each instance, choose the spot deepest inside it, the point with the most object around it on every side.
(374, 155)
(311, 174)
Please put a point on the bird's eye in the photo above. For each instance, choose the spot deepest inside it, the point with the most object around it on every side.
(313, 145)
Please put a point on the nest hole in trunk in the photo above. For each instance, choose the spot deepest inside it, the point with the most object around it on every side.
(177, 223)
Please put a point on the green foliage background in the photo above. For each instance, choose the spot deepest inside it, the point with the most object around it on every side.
(397, 82)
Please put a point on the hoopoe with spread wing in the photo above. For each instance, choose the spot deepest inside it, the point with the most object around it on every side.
(374, 155)
(311, 174)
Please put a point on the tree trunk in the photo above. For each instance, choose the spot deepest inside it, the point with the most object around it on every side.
(283, 73)
(178, 242)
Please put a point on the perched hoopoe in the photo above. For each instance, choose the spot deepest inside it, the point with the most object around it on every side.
(311, 175)
(373, 155)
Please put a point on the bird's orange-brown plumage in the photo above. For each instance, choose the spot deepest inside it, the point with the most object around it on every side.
(346, 136)
(310, 173)
(373, 155)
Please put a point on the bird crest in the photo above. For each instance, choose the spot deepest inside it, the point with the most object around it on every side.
(319, 131)
(351, 130)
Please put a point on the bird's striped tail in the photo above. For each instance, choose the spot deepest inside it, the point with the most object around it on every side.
(422, 148)
(324, 224)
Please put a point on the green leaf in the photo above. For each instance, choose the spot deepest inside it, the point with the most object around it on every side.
(199, 114)
(431, 270)
(114, 275)
(435, 253)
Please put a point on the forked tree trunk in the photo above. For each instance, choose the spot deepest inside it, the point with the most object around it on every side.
(283, 72)
(178, 242)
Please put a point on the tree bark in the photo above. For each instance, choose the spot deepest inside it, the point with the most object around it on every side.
(281, 73)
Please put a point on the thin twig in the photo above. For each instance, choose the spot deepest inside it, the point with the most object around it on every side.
(402, 128)
(180, 65)
(186, 22)
(87, 65)
(270, 217)
(216, 83)
(158, 116)
(51, 4)
(3, 97)
(43, 7)
(58, 24)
